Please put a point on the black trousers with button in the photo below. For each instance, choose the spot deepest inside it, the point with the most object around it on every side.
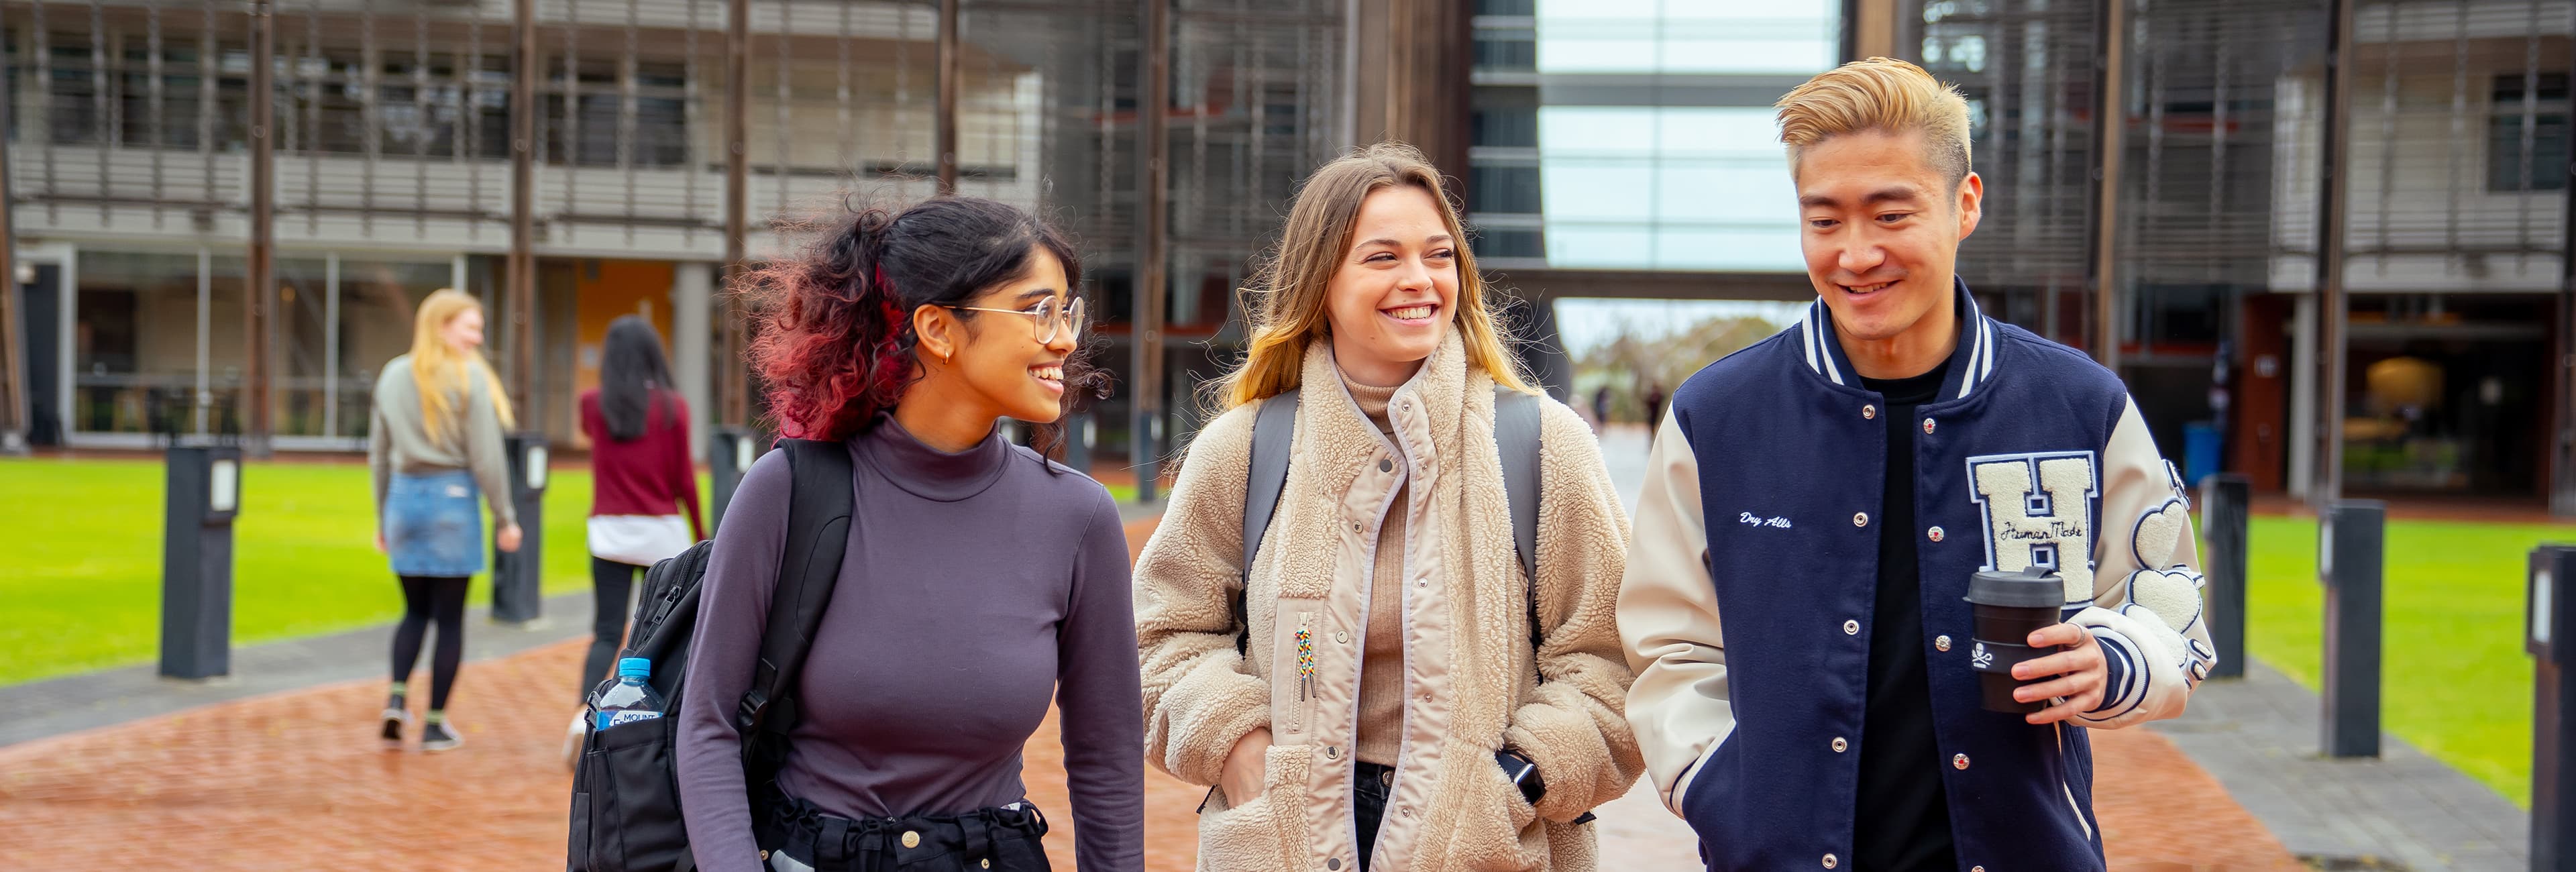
(1368, 805)
(985, 840)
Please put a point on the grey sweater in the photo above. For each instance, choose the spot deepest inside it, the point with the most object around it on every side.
(976, 586)
(399, 441)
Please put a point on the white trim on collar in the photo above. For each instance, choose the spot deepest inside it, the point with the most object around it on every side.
(1981, 359)
(1816, 351)
(1980, 364)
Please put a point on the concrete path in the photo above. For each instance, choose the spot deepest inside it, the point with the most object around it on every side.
(2260, 736)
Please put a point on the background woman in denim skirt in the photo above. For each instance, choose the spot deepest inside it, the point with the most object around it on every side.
(434, 445)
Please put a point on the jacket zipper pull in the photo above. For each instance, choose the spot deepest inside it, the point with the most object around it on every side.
(1305, 656)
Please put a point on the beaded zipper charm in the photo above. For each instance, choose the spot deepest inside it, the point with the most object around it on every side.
(1305, 659)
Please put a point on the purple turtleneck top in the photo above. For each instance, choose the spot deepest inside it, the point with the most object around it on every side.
(977, 586)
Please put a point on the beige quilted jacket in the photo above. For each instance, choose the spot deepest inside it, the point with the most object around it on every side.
(1470, 681)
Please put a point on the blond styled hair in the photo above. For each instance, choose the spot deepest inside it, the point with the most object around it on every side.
(435, 368)
(1285, 303)
(1879, 94)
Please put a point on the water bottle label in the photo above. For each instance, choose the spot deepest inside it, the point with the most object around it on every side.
(611, 719)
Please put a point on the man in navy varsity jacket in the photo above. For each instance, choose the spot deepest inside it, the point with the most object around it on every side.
(1816, 503)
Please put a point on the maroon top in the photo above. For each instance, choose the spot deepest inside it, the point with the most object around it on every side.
(649, 476)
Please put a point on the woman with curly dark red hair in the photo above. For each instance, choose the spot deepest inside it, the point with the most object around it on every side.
(980, 580)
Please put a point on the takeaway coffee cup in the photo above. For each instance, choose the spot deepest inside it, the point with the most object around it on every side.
(2009, 606)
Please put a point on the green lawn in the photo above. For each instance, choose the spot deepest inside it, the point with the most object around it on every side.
(83, 590)
(2456, 682)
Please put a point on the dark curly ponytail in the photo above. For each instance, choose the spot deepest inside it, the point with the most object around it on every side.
(834, 339)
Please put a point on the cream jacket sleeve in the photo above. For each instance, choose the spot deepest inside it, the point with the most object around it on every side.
(1574, 728)
(1668, 622)
(1200, 696)
(2146, 609)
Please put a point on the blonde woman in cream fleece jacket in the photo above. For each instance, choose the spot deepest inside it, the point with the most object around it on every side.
(1391, 550)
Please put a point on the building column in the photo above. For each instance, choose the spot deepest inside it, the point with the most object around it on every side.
(1869, 29)
(1412, 64)
(693, 286)
(1153, 259)
(2303, 374)
(13, 368)
(259, 269)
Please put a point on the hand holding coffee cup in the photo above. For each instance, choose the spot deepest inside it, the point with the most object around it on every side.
(2082, 676)
(2024, 654)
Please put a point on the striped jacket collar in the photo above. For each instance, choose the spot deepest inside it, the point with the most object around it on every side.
(1972, 363)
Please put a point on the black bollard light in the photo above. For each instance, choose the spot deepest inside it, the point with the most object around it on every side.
(518, 577)
(1077, 442)
(2225, 512)
(197, 561)
(2351, 549)
(2551, 605)
(730, 451)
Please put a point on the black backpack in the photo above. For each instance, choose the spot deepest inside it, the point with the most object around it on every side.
(625, 790)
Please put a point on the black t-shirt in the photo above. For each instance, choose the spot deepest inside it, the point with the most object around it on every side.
(1902, 819)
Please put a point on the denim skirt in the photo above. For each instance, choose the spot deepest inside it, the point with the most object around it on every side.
(434, 524)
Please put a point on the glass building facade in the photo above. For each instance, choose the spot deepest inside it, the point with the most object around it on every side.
(1638, 134)
(392, 178)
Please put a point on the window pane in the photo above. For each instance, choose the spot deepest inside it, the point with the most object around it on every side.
(303, 308)
(377, 300)
(2547, 158)
(1503, 189)
(134, 340)
(1508, 243)
(1507, 126)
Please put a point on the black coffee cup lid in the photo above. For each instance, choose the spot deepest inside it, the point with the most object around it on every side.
(2032, 587)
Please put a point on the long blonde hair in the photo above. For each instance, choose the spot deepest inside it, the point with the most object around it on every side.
(1285, 304)
(434, 366)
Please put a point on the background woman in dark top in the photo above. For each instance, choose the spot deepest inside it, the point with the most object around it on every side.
(979, 578)
(640, 478)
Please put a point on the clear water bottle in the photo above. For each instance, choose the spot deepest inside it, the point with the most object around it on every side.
(629, 699)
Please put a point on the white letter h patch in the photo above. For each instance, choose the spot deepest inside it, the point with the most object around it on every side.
(2037, 509)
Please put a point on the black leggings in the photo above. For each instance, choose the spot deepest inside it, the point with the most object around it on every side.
(611, 584)
(426, 597)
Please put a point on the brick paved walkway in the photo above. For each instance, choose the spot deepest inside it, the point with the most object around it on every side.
(296, 779)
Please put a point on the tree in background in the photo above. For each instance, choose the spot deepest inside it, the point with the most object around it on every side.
(1634, 359)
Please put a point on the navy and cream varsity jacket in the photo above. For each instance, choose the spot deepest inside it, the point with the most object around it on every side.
(1746, 609)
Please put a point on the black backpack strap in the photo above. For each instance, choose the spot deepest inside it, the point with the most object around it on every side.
(819, 505)
(1516, 440)
(1274, 425)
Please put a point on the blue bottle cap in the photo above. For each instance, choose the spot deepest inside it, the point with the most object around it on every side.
(635, 666)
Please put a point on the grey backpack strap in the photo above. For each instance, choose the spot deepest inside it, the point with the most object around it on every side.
(1516, 436)
(1274, 425)
(1516, 439)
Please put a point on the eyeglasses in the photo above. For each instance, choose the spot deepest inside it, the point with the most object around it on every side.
(1050, 317)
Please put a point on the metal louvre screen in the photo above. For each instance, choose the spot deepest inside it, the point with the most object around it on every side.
(2459, 145)
(2205, 132)
(2027, 71)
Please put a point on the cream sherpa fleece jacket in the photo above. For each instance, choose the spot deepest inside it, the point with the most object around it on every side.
(1470, 679)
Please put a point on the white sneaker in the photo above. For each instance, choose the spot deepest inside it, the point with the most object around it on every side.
(440, 736)
(579, 730)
